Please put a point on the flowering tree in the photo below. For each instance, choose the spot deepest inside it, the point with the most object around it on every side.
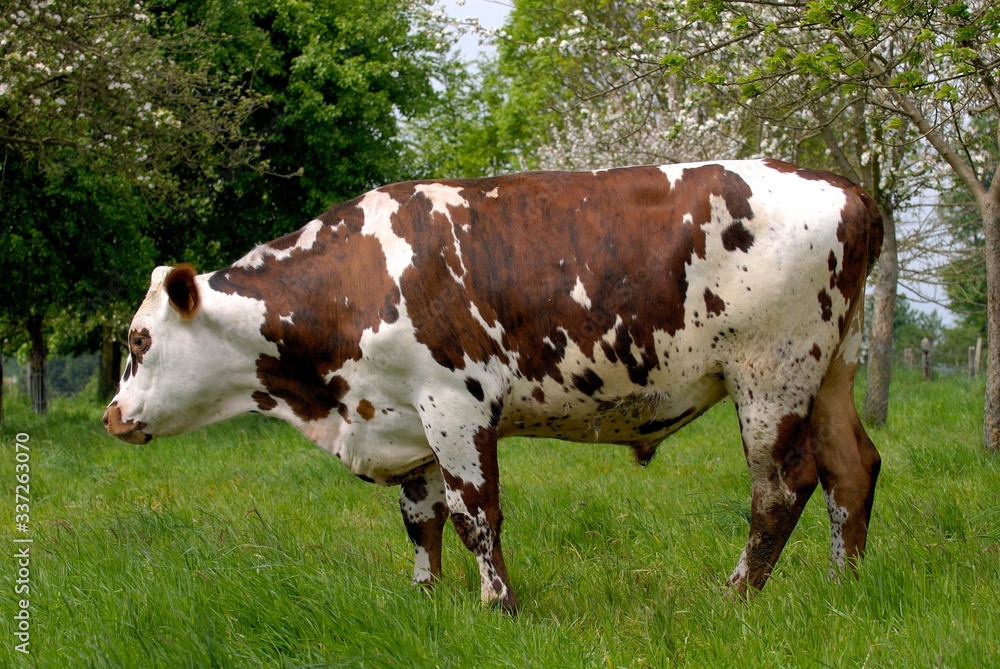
(97, 102)
(103, 77)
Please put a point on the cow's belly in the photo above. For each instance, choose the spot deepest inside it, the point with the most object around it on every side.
(622, 413)
(383, 438)
(389, 447)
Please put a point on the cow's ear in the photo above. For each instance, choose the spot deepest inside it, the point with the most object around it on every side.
(182, 290)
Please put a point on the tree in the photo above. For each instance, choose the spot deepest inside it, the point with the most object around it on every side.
(101, 77)
(340, 78)
(73, 245)
(96, 104)
(463, 135)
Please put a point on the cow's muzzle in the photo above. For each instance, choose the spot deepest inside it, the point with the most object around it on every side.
(130, 431)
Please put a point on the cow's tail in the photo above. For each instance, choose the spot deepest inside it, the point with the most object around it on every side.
(865, 220)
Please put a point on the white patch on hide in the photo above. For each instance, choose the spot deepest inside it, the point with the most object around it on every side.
(495, 331)
(742, 569)
(378, 208)
(421, 566)
(838, 517)
(443, 198)
(307, 238)
(579, 294)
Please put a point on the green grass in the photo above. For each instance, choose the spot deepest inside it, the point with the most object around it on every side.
(243, 545)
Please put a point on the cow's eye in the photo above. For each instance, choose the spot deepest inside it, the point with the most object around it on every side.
(138, 342)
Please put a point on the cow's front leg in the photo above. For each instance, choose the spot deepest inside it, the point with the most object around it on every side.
(425, 511)
(467, 457)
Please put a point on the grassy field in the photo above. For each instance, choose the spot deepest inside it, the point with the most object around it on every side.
(243, 545)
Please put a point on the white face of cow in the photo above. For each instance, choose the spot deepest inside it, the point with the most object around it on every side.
(184, 370)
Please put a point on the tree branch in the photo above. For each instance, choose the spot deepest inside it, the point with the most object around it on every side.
(45, 141)
(962, 169)
(838, 153)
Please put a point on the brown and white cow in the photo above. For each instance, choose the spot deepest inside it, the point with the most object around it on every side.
(407, 330)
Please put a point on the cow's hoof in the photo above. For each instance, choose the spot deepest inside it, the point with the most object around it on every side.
(424, 585)
(738, 593)
(508, 604)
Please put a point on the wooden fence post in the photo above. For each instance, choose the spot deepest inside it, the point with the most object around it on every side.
(925, 347)
(908, 357)
(972, 362)
(979, 353)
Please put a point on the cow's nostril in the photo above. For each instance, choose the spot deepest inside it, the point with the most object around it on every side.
(107, 413)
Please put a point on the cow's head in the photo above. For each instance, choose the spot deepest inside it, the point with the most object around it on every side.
(183, 370)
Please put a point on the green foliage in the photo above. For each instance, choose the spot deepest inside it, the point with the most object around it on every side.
(72, 239)
(70, 375)
(338, 77)
(951, 349)
(103, 115)
(964, 275)
(796, 73)
(531, 82)
(464, 135)
(910, 326)
(102, 78)
(242, 545)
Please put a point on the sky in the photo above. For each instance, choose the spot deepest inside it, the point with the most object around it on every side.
(491, 14)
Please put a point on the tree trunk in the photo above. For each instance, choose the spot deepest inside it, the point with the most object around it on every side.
(37, 389)
(111, 363)
(876, 404)
(1, 381)
(991, 230)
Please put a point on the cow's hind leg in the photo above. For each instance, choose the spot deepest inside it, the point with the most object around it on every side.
(847, 461)
(774, 423)
(425, 512)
